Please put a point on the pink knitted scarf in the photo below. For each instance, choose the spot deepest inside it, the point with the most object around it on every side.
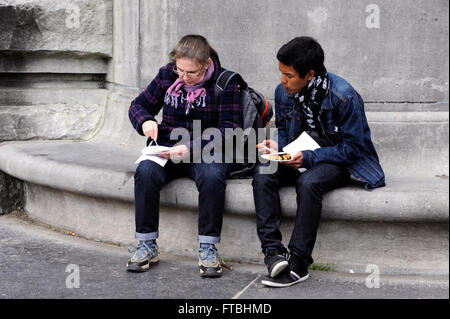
(180, 93)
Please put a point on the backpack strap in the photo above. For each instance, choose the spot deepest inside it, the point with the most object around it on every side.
(224, 79)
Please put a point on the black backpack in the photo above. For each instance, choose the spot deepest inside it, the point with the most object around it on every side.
(256, 113)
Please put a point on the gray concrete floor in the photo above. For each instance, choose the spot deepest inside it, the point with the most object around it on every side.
(37, 262)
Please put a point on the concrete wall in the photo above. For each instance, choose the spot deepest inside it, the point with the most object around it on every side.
(54, 57)
(56, 25)
(55, 54)
(406, 59)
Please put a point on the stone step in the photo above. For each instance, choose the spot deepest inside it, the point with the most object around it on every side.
(87, 187)
(62, 121)
(52, 81)
(42, 96)
(104, 171)
(406, 248)
(51, 113)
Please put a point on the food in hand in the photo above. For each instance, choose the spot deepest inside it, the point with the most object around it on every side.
(279, 157)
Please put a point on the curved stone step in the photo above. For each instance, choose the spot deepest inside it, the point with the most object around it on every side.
(87, 187)
(107, 172)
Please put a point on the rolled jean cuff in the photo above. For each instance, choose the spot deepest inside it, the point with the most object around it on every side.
(147, 236)
(208, 239)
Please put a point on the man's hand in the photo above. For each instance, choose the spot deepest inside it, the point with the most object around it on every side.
(296, 161)
(150, 129)
(267, 146)
(175, 153)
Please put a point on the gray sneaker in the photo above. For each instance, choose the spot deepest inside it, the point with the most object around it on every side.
(145, 255)
(210, 262)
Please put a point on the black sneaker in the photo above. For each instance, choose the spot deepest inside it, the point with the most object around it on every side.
(285, 279)
(276, 261)
(298, 266)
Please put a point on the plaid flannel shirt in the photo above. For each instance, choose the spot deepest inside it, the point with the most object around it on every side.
(221, 114)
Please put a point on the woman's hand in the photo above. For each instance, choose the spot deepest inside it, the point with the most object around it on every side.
(267, 146)
(296, 161)
(175, 153)
(150, 129)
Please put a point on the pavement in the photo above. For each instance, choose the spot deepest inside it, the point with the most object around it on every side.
(38, 262)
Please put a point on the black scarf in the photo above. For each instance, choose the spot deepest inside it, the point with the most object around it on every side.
(310, 98)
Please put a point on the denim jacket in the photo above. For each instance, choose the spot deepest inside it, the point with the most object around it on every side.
(343, 122)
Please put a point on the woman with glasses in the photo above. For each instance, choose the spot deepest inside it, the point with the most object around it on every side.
(184, 90)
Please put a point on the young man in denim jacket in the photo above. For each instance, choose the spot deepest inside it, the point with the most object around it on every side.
(310, 99)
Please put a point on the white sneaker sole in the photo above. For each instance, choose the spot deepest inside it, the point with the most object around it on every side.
(277, 285)
(278, 268)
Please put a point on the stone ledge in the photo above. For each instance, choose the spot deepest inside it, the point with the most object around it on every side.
(48, 122)
(87, 187)
(70, 96)
(53, 62)
(396, 247)
(107, 171)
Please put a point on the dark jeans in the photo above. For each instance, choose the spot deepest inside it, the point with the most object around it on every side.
(310, 187)
(211, 183)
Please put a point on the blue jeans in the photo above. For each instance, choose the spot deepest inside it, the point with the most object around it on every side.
(310, 187)
(211, 184)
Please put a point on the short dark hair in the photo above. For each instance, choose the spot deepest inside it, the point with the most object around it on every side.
(304, 54)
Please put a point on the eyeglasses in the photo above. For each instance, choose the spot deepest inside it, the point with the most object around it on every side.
(189, 74)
